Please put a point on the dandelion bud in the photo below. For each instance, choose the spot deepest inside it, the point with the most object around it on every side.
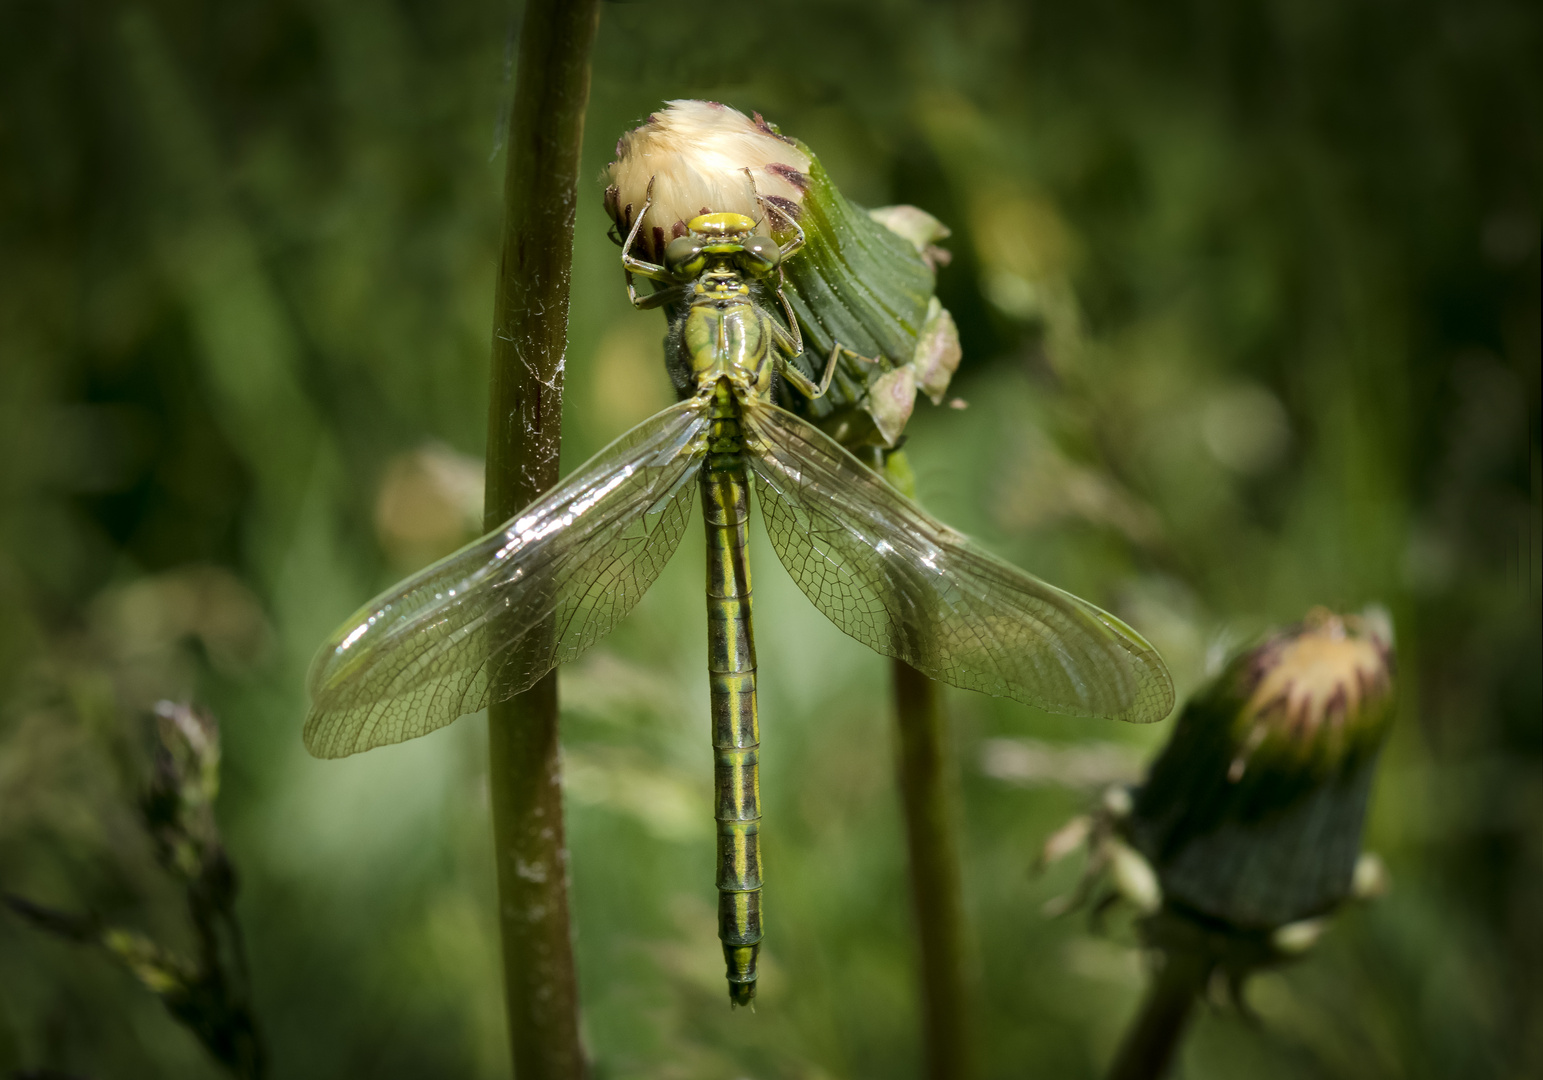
(1252, 814)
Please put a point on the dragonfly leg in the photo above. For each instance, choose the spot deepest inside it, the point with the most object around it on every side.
(808, 386)
(630, 261)
(798, 233)
(656, 299)
(796, 337)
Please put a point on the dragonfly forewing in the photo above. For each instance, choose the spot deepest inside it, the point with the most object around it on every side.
(908, 586)
(485, 623)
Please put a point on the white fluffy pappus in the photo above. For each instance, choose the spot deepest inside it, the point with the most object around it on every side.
(697, 154)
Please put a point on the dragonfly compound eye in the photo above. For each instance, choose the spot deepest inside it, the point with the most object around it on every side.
(683, 256)
(761, 254)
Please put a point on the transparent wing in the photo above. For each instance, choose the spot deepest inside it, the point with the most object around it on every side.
(500, 613)
(905, 584)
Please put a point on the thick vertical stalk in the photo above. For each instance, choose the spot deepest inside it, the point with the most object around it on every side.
(1150, 1045)
(927, 778)
(530, 326)
(926, 790)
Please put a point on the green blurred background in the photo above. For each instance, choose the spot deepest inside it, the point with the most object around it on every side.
(1249, 300)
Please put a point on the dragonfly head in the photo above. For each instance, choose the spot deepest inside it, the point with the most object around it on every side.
(720, 226)
(727, 239)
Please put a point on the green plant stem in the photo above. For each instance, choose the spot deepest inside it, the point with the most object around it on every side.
(926, 789)
(530, 327)
(926, 779)
(1150, 1045)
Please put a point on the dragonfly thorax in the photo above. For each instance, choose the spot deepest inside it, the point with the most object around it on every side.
(728, 334)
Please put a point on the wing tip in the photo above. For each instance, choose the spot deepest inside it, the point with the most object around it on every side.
(1154, 696)
(1157, 696)
(320, 738)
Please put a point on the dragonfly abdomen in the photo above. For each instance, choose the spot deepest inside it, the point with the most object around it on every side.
(731, 673)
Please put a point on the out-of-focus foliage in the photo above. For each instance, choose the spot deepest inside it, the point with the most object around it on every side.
(207, 992)
(1248, 295)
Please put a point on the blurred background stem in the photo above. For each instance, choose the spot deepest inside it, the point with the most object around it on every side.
(926, 791)
(546, 126)
(927, 781)
(1152, 1041)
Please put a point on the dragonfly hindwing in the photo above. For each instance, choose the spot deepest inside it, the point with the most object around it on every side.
(903, 583)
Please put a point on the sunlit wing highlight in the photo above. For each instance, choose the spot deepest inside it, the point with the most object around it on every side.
(485, 623)
(908, 586)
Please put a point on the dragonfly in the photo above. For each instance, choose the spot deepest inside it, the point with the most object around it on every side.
(488, 621)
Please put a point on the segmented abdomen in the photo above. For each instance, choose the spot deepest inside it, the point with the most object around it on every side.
(731, 670)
